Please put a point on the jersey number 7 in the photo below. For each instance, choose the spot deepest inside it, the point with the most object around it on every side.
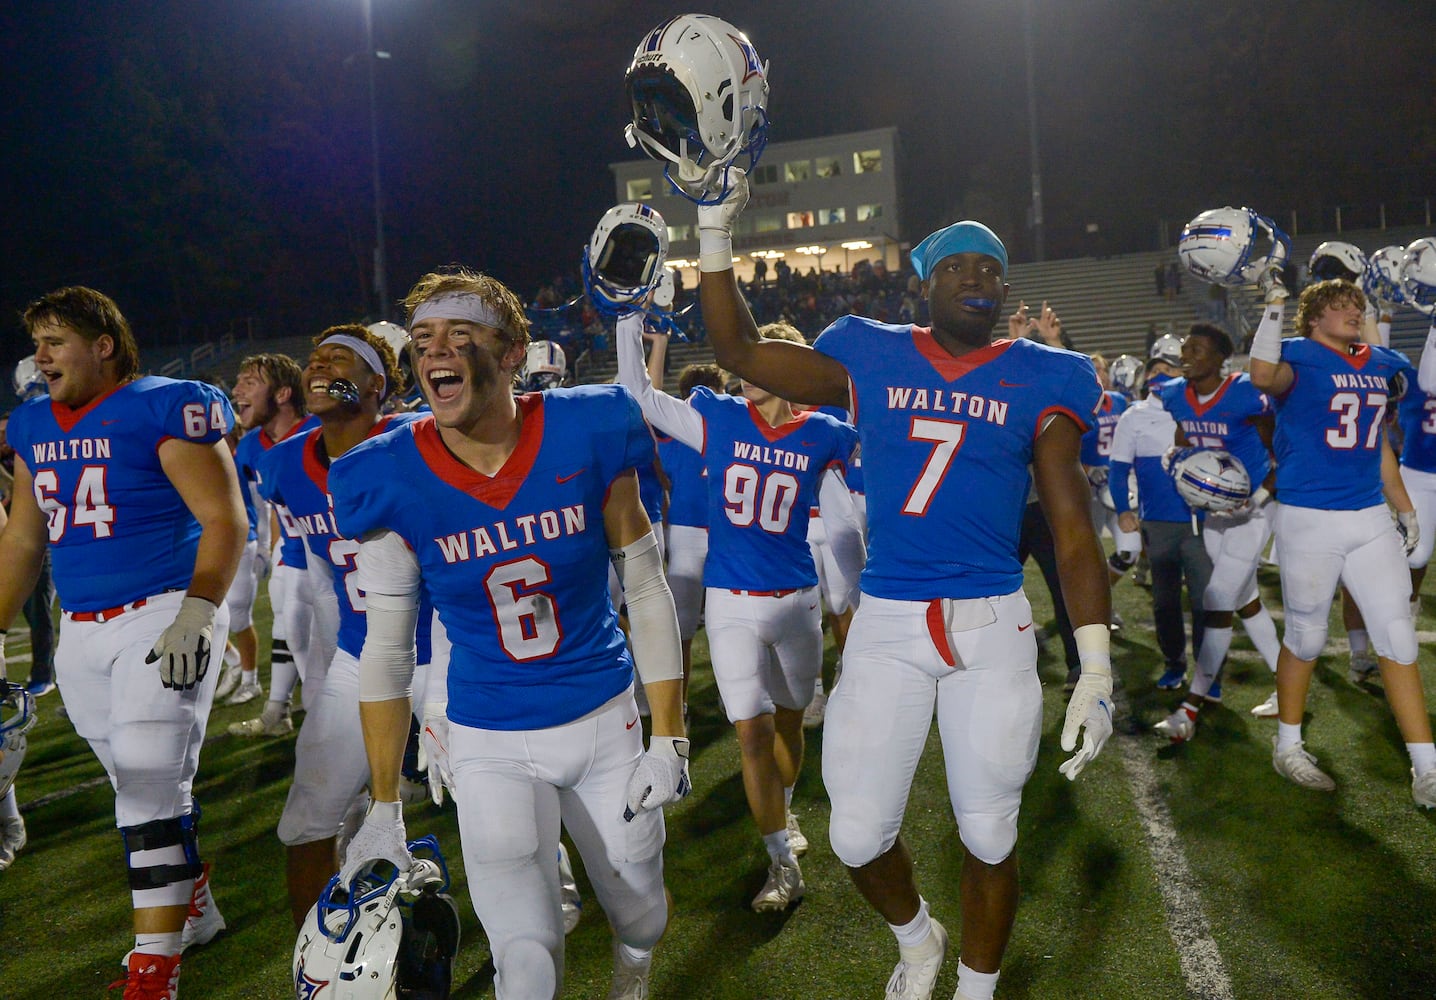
(946, 437)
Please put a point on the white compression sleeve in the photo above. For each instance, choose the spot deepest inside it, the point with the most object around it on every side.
(652, 620)
(668, 415)
(388, 572)
(845, 533)
(1266, 344)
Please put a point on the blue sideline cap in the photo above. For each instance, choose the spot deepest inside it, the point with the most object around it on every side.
(960, 237)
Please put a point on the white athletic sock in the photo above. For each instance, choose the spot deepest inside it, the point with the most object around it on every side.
(1261, 630)
(779, 848)
(249, 677)
(788, 797)
(1423, 757)
(916, 930)
(1215, 643)
(1287, 736)
(975, 985)
(283, 672)
(1360, 641)
(9, 804)
(159, 943)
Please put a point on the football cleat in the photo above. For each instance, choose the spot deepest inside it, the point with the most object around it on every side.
(783, 888)
(1179, 727)
(569, 900)
(797, 840)
(1363, 667)
(1174, 678)
(1214, 693)
(1423, 789)
(816, 711)
(229, 676)
(1267, 709)
(13, 839)
(916, 972)
(38, 689)
(246, 692)
(150, 977)
(630, 979)
(274, 720)
(204, 920)
(1299, 767)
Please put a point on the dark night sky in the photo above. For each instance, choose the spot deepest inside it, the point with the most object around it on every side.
(207, 162)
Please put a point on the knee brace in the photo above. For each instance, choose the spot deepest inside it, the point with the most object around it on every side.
(1394, 640)
(163, 860)
(987, 837)
(1305, 638)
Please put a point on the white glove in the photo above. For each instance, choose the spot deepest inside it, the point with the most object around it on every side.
(434, 742)
(182, 651)
(380, 838)
(715, 224)
(1409, 529)
(1090, 712)
(661, 776)
(1270, 284)
(3, 675)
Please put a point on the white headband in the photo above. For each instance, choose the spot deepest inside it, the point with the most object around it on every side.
(366, 353)
(458, 305)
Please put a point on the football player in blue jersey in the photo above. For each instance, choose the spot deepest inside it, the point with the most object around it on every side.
(950, 422)
(1213, 410)
(349, 376)
(129, 481)
(507, 512)
(768, 466)
(1333, 465)
(269, 404)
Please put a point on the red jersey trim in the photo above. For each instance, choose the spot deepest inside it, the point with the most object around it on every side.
(1356, 356)
(1201, 408)
(1055, 409)
(772, 433)
(68, 418)
(497, 490)
(949, 367)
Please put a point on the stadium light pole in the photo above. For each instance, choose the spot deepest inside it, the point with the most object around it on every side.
(381, 268)
(1038, 234)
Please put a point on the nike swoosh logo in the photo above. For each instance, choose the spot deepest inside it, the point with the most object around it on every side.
(1011, 385)
(563, 479)
(1024, 628)
(106, 423)
(808, 444)
(632, 724)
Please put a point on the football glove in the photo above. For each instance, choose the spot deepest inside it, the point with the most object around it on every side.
(1409, 529)
(1270, 284)
(182, 651)
(435, 743)
(380, 838)
(1090, 713)
(3, 674)
(715, 224)
(661, 776)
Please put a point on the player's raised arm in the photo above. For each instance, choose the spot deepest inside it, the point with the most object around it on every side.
(1269, 372)
(797, 373)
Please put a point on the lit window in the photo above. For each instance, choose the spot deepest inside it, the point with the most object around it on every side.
(678, 233)
(800, 220)
(828, 166)
(797, 170)
(831, 216)
(640, 190)
(866, 212)
(868, 161)
(767, 223)
(766, 174)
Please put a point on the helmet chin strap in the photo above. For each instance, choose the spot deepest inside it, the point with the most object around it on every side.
(345, 391)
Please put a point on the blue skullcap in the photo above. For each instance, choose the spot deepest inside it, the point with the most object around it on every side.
(960, 237)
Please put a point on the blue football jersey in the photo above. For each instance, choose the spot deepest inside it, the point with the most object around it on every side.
(1417, 414)
(1097, 442)
(763, 487)
(687, 482)
(1224, 420)
(1329, 424)
(517, 563)
(294, 476)
(118, 529)
(246, 459)
(946, 447)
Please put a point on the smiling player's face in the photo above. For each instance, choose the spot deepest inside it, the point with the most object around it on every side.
(461, 367)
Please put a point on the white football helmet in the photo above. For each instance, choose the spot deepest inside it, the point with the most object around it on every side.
(1221, 246)
(1382, 280)
(1335, 259)
(29, 382)
(1126, 374)
(17, 717)
(392, 938)
(1168, 347)
(1210, 479)
(544, 366)
(624, 258)
(699, 96)
(1104, 491)
(393, 334)
(1418, 275)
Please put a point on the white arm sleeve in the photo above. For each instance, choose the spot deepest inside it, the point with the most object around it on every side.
(388, 573)
(1426, 373)
(671, 416)
(436, 688)
(261, 517)
(845, 531)
(652, 620)
(1266, 344)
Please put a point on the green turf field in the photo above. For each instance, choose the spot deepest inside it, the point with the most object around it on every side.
(1271, 891)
